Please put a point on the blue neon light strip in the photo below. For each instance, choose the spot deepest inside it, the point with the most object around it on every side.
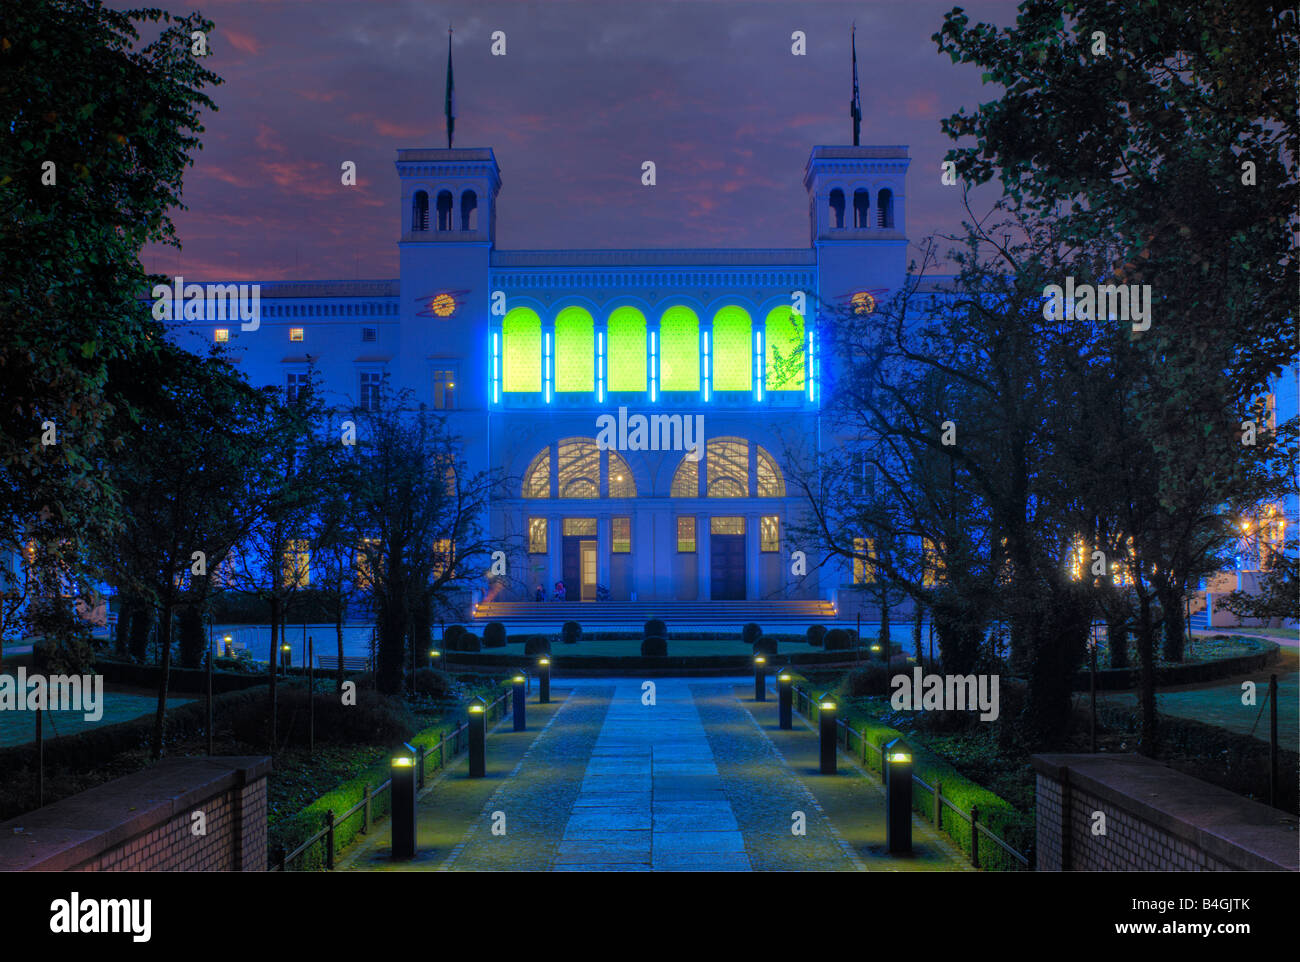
(758, 365)
(708, 373)
(812, 366)
(600, 366)
(496, 367)
(546, 368)
(654, 368)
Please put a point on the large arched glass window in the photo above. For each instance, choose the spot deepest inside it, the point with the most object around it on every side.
(733, 356)
(627, 350)
(686, 480)
(770, 482)
(621, 484)
(785, 353)
(579, 468)
(679, 350)
(728, 468)
(521, 330)
(575, 352)
(537, 479)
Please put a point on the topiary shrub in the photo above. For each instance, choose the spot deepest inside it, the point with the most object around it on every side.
(537, 645)
(870, 679)
(450, 636)
(494, 635)
(469, 642)
(751, 633)
(571, 632)
(654, 647)
(815, 635)
(655, 628)
(765, 646)
(430, 681)
(837, 639)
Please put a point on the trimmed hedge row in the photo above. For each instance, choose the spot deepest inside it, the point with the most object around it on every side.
(1119, 679)
(631, 662)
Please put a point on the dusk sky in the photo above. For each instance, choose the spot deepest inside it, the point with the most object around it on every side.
(586, 92)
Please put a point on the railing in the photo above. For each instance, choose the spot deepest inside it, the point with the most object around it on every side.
(804, 704)
(449, 746)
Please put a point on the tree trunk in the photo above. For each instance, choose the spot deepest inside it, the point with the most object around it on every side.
(1146, 644)
(165, 665)
(1117, 641)
(338, 633)
(918, 616)
(275, 663)
(884, 625)
(1174, 625)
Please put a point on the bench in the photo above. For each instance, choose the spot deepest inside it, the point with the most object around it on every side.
(350, 662)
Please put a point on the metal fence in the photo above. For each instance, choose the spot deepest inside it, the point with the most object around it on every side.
(847, 733)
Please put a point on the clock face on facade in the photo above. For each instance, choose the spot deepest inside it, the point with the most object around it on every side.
(444, 305)
(863, 302)
(441, 304)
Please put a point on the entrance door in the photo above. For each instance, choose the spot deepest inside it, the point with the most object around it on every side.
(727, 559)
(588, 551)
(578, 534)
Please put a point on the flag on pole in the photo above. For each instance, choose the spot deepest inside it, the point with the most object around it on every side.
(855, 106)
(450, 108)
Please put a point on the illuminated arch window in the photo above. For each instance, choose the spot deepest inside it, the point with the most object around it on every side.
(575, 351)
(770, 482)
(686, 480)
(733, 355)
(521, 329)
(784, 351)
(621, 483)
(537, 479)
(627, 350)
(579, 468)
(728, 470)
(679, 350)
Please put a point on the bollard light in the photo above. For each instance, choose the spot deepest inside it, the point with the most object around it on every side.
(284, 657)
(402, 773)
(760, 678)
(785, 699)
(543, 680)
(898, 796)
(876, 650)
(477, 738)
(229, 643)
(435, 657)
(518, 708)
(826, 718)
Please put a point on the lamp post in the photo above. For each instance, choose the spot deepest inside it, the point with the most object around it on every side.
(517, 710)
(760, 678)
(228, 643)
(543, 680)
(785, 699)
(477, 739)
(826, 724)
(898, 797)
(402, 773)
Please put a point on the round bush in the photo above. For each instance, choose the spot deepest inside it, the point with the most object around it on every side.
(870, 679)
(765, 646)
(494, 635)
(815, 635)
(837, 639)
(654, 647)
(655, 628)
(751, 633)
(430, 681)
(537, 645)
(571, 632)
(469, 642)
(450, 636)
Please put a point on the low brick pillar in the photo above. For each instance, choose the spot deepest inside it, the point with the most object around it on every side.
(1156, 820)
(145, 822)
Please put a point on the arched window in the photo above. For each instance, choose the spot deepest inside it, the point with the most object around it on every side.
(861, 206)
(686, 480)
(728, 468)
(885, 208)
(579, 468)
(733, 354)
(444, 210)
(627, 350)
(784, 349)
(521, 330)
(621, 483)
(575, 352)
(468, 204)
(420, 211)
(837, 208)
(537, 479)
(679, 350)
(770, 482)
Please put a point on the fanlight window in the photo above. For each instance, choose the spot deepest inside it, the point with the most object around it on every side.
(770, 482)
(686, 480)
(537, 479)
(579, 469)
(621, 484)
(728, 468)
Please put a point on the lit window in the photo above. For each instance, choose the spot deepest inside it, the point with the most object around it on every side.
(444, 554)
(537, 479)
(784, 350)
(444, 390)
(726, 526)
(732, 356)
(580, 527)
(627, 350)
(521, 330)
(864, 572)
(221, 335)
(579, 469)
(621, 484)
(728, 471)
(296, 567)
(575, 353)
(537, 536)
(620, 535)
(363, 563)
(686, 481)
(933, 564)
(770, 482)
(679, 333)
(295, 333)
(686, 535)
(769, 533)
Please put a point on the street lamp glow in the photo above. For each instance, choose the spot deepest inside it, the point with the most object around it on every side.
(518, 679)
(476, 709)
(900, 757)
(403, 762)
(785, 676)
(543, 661)
(828, 705)
(760, 660)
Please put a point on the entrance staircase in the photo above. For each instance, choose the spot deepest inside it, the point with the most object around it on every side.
(726, 615)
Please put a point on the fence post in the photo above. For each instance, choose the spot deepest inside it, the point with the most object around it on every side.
(329, 839)
(365, 809)
(974, 836)
(419, 767)
(938, 804)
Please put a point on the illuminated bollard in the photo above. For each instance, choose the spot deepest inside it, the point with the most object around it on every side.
(435, 658)
(877, 651)
(477, 739)
(518, 708)
(284, 657)
(785, 699)
(898, 797)
(543, 680)
(402, 772)
(826, 720)
(229, 644)
(760, 678)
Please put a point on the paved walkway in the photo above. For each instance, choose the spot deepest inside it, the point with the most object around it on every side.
(701, 779)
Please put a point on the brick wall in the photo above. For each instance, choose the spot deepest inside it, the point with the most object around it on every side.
(1156, 819)
(146, 822)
